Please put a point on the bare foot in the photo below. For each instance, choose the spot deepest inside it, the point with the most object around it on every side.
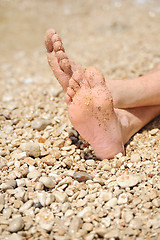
(92, 114)
(61, 65)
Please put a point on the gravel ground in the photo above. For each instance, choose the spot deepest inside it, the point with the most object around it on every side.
(51, 184)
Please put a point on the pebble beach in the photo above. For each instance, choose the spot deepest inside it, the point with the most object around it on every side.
(52, 186)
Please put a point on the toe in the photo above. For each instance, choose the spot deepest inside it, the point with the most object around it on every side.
(78, 77)
(94, 77)
(68, 99)
(73, 84)
(70, 92)
(61, 55)
(48, 40)
(66, 66)
(57, 46)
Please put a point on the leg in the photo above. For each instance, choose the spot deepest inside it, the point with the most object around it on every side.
(142, 91)
(92, 114)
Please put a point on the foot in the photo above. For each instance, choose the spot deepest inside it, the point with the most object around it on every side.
(61, 65)
(92, 114)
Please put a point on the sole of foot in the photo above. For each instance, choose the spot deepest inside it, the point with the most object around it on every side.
(92, 114)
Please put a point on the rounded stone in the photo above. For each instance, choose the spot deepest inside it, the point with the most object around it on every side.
(40, 124)
(16, 224)
(81, 176)
(47, 182)
(34, 174)
(32, 149)
(127, 180)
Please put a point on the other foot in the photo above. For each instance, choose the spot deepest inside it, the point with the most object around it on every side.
(92, 114)
(61, 65)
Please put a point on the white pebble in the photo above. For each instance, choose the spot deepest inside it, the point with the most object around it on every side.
(47, 181)
(34, 174)
(122, 198)
(16, 224)
(32, 149)
(127, 180)
(60, 196)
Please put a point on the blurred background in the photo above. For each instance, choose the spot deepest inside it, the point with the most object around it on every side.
(119, 36)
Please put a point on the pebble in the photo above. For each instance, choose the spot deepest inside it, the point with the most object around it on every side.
(47, 181)
(128, 216)
(81, 202)
(136, 223)
(1, 199)
(122, 199)
(15, 236)
(112, 202)
(34, 174)
(135, 157)
(154, 131)
(127, 180)
(75, 225)
(90, 162)
(40, 124)
(106, 195)
(32, 149)
(16, 224)
(26, 206)
(8, 185)
(60, 196)
(82, 176)
(106, 221)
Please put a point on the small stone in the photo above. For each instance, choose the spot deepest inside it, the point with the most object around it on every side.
(47, 181)
(1, 198)
(32, 149)
(90, 162)
(81, 202)
(154, 131)
(26, 206)
(127, 180)
(15, 236)
(8, 185)
(106, 221)
(135, 157)
(82, 176)
(7, 212)
(101, 231)
(87, 226)
(69, 213)
(16, 224)
(41, 196)
(60, 196)
(106, 195)
(128, 216)
(156, 202)
(40, 124)
(75, 225)
(122, 199)
(112, 202)
(34, 174)
(46, 226)
(136, 223)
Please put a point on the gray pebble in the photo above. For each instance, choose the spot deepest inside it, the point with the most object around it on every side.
(82, 176)
(40, 124)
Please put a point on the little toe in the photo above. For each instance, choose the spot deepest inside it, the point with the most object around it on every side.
(68, 99)
(94, 77)
(48, 39)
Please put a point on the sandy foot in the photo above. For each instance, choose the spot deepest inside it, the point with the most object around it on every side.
(92, 114)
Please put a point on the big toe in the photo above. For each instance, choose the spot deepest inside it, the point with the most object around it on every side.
(94, 77)
(48, 39)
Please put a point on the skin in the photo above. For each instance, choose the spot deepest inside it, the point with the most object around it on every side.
(106, 113)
